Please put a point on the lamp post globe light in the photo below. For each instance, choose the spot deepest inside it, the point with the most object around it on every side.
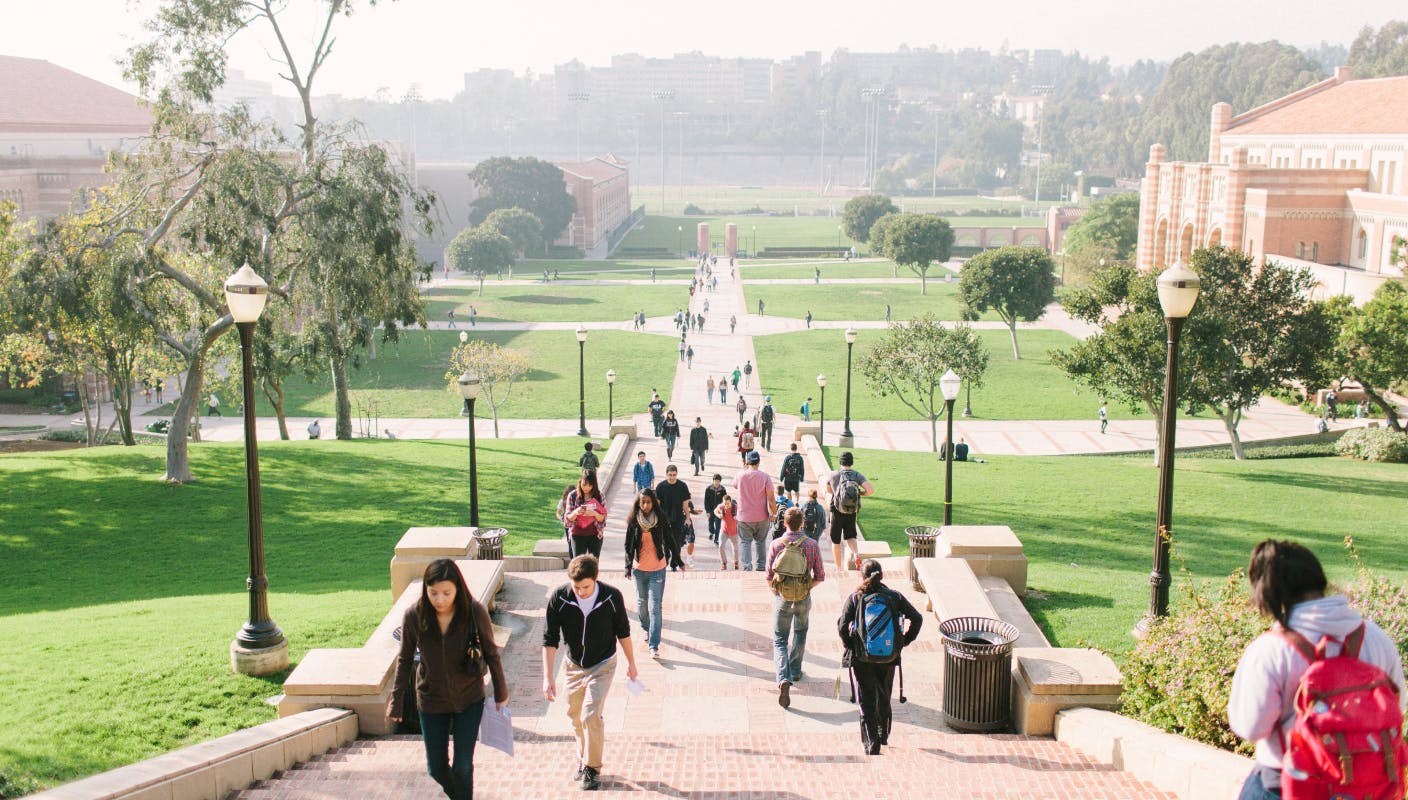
(260, 647)
(821, 430)
(848, 439)
(464, 339)
(949, 384)
(680, 245)
(610, 397)
(581, 380)
(1178, 292)
(469, 390)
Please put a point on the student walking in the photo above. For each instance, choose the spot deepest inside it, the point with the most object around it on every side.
(765, 419)
(726, 514)
(709, 389)
(752, 489)
(748, 374)
(809, 319)
(845, 488)
(1104, 414)
(747, 442)
(591, 617)
(657, 413)
(1288, 584)
(713, 495)
(813, 516)
(445, 625)
(698, 446)
(794, 469)
(451, 315)
(643, 473)
(806, 410)
(473, 316)
(589, 459)
(732, 323)
(737, 376)
(586, 514)
(670, 430)
(675, 508)
(794, 567)
(873, 638)
(650, 548)
(689, 357)
(213, 406)
(741, 406)
(723, 389)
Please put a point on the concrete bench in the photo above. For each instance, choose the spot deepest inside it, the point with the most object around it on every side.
(1047, 680)
(420, 546)
(989, 550)
(1009, 608)
(551, 548)
(952, 590)
(872, 548)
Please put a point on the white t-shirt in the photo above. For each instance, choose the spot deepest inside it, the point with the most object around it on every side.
(589, 602)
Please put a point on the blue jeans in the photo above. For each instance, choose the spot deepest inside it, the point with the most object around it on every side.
(650, 602)
(715, 525)
(790, 622)
(753, 540)
(1255, 789)
(458, 779)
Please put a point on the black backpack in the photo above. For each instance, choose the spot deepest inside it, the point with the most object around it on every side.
(793, 467)
(811, 515)
(767, 413)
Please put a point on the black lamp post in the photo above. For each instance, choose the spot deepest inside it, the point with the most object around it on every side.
(848, 438)
(1178, 291)
(949, 385)
(821, 384)
(469, 390)
(260, 647)
(610, 397)
(582, 380)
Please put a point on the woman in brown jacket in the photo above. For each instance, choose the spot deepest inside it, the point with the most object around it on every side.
(456, 642)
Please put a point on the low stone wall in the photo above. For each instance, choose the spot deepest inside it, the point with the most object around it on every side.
(1189, 769)
(818, 471)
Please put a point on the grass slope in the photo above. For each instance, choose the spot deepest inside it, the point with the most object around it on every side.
(555, 302)
(843, 301)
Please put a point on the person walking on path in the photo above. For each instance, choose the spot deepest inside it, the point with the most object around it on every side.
(793, 568)
(723, 389)
(737, 376)
(586, 514)
(698, 446)
(682, 347)
(670, 431)
(315, 430)
(766, 414)
(752, 489)
(809, 319)
(160, 386)
(806, 410)
(846, 487)
(732, 323)
(657, 413)
(591, 617)
(760, 306)
(794, 469)
(689, 357)
(643, 473)
(675, 507)
(887, 312)
(709, 388)
(451, 315)
(726, 514)
(473, 316)
(650, 548)
(816, 275)
(748, 374)
(747, 441)
(1288, 584)
(869, 627)
(713, 495)
(1104, 416)
(212, 408)
(813, 516)
(742, 407)
(589, 459)
(445, 625)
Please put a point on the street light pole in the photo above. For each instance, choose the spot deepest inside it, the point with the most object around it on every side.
(821, 430)
(582, 380)
(260, 647)
(1178, 291)
(469, 389)
(949, 385)
(848, 438)
(662, 97)
(610, 397)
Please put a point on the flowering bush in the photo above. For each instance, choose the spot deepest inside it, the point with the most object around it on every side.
(1374, 444)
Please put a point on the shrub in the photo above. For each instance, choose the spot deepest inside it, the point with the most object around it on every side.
(1374, 444)
(16, 786)
(692, 210)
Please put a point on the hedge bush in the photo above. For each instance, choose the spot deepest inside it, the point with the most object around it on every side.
(1374, 444)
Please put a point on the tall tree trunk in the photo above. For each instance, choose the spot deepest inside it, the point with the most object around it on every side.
(274, 393)
(481, 284)
(494, 410)
(178, 463)
(924, 282)
(934, 432)
(1390, 411)
(90, 425)
(1012, 329)
(1156, 410)
(1229, 421)
(343, 402)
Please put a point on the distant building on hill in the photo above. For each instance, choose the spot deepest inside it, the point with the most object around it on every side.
(1314, 179)
(602, 189)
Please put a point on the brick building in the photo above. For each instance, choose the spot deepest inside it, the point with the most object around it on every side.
(1313, 179)
(56, 129)
(602, 189)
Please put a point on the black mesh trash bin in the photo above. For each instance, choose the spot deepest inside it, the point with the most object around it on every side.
(922, 541)
(977, 673)
(489, 544)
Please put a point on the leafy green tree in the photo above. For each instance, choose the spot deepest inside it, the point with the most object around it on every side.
(1382, 53)
(498, 368)
(862, 212)
(521, 228)
(1372, 347)
(537, 187)
(910, 358)
(914, 241)
(1016, 282)
(480, 251)
(1113, 221)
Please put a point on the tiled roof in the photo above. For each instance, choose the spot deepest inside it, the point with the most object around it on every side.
(1370, 106)
(594, 170)
(36, 95)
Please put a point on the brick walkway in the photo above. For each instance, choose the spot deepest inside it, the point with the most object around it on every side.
(709, 726)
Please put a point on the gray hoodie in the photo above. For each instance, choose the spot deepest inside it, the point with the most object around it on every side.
(1264, 688)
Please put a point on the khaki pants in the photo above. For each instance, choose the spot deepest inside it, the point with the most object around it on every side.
(586, 700)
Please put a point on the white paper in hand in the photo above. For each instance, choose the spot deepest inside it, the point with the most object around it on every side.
(634, 686)
(496, 728)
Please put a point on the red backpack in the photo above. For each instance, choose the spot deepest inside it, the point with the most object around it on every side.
(1347, 737)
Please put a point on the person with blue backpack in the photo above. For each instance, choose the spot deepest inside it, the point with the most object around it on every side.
(872, 637)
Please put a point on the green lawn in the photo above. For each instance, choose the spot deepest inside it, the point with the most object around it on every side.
(554, 302)
(830, 268)
(787, 200)
(408, 379)
(755, 233)
(1032, 388)
(848, 301)
(1087, 523)
(123, 593)
(614, 269)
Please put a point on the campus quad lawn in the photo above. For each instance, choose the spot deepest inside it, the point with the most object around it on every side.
(789, 200)
(850, 301)
(804, 269)
(1032, 388)
(1087, 523)
(553, 302)
(119, 594)
(408, 378)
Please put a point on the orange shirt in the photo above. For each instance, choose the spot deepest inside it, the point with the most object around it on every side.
(647, 560)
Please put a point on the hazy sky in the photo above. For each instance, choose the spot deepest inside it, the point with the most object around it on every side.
(432, 43)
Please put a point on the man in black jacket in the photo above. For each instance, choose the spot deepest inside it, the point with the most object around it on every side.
(591, 616)
(698, 445)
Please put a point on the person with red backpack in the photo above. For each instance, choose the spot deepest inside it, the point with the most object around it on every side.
(1294, 682)
(872, 638)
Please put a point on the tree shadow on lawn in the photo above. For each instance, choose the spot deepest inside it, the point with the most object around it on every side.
(550, 299)
(1337, 484)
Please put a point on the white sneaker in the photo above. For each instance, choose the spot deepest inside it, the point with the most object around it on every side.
(689, 561)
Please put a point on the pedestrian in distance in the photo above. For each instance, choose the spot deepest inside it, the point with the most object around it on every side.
(213, 406)
(642, 473)
(793, 568)
(816, 276)
(676, 508)
(698, 446)
(473, 316)
(683, 347)
(1332, 405)
(887, 312)
(723, 389)
(794, 469)
(809, 319)
(160, 385)
(760, 306)
(586, 513)
(872, 640)
(806, 410)
(736, 377)
(652, 274)
(752, 489)
(732, 323)
(845, 488)
(713, 495)
(1104, 416)
(670, 431)
(455, 639)
(813, 516)
(650, 548)
(709, 389)
(657, 413)
(741, 406)
(1292, 676)
(689, 357)
(589, 459)
(451, 315)
(591, 616)
(766, 415)
(315, 430)
(747, 441)
(748, 374)
(726, 514)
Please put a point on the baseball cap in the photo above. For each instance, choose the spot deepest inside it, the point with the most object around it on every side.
(767, 399)
(754, 457)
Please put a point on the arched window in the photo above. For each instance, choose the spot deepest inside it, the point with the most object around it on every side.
(1363, 244)
(1300, 250)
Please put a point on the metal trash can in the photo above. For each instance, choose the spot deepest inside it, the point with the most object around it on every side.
(977, 673)
(489, 543)
(922, 541)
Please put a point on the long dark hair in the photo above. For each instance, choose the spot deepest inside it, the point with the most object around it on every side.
(654, 504)
(441, 569)
(1283, 573)
(589, 475)
(872, 576)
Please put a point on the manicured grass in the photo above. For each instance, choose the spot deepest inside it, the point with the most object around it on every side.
(656, 231)
(613, 269)
(553, 302)
(1087, 524)
(804, 269)
(1032, 388)
(119, 595)
(786, 200)
(850, 301)
(408, 379)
